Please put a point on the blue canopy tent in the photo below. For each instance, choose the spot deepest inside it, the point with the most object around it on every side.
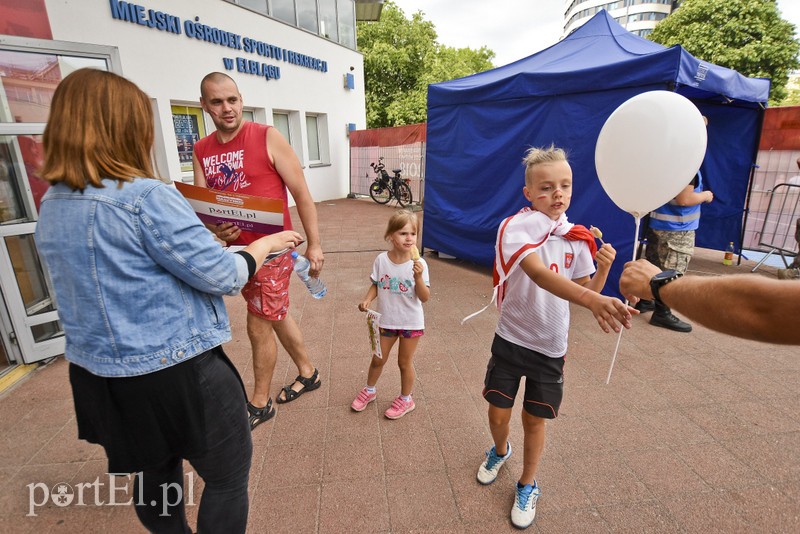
(479, 128)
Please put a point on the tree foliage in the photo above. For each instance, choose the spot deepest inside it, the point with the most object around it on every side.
(792, 97)
(401, 57)
(748, 36)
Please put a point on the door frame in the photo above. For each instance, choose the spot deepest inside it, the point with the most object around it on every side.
(30, 349)
(21, 323)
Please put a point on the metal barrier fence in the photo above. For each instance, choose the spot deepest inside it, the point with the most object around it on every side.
(401, 147)
(778, 230)
(410, 159)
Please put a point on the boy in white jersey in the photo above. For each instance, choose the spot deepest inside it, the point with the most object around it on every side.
(531, 336)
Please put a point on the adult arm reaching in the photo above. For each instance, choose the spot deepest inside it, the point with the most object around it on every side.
(746, 306)
(609, 312)
(260, 248)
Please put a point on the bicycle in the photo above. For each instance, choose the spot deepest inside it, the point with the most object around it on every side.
(385, 187)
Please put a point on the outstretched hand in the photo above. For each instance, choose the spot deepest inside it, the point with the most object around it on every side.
(261, 247)
(610, 313)
(285, 239)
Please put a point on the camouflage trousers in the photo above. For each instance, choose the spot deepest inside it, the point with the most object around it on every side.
(669, 249)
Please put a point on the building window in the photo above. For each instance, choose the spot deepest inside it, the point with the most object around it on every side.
(332, 19)
(283, 10)
(317, 135)
(288, 124)
(307, 15)
(189, 127)
(328, 26)
(347, 23)
(255, 5)
(281, 123)
(312, 130)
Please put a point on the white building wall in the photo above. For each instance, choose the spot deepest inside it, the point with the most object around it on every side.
(169, 67)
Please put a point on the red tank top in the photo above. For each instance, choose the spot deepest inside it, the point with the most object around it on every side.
(242, 165)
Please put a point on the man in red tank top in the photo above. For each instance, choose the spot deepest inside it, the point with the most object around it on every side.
(255, 159)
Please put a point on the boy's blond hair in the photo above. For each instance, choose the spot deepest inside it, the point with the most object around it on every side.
(538, 155)
(398, 220)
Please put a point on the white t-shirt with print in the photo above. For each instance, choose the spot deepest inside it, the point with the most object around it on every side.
(398, 304)
(533, 317)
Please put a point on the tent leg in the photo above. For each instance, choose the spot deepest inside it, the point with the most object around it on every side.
(766, 256)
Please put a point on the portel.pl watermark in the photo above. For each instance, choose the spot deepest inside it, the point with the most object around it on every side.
(118, 494)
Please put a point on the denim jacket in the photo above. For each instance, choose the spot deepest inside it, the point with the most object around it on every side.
(137, 277)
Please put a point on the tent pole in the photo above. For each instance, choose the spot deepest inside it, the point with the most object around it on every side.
(753, 167)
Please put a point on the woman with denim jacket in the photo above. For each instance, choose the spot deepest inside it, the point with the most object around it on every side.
(139, 284)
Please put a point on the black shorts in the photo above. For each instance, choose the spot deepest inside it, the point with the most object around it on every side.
(544, 379)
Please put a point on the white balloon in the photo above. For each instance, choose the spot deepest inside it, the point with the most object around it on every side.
(649, 149)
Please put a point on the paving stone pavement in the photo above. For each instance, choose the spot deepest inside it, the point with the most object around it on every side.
(696, 432)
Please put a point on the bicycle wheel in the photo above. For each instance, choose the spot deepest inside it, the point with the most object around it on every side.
(403, 194)
(379, 194)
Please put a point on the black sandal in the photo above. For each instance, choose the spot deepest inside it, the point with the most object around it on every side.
(309, 384)
(260, 415)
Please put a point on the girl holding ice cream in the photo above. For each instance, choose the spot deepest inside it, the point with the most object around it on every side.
(400, 281)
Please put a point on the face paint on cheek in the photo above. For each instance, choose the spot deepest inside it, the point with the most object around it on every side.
(540, 197)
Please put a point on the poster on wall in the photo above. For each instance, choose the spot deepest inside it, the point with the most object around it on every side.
(189, 129)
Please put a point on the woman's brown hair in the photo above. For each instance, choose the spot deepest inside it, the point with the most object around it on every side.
(100, 126)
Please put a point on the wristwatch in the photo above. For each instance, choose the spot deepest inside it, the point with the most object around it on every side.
(660, 280)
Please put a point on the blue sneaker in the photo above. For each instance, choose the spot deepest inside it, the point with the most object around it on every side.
(487, 472)
(524, 510)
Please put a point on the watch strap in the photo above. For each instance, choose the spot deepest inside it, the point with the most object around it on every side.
(660, 280)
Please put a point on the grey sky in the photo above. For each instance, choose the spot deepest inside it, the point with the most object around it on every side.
(513, 29)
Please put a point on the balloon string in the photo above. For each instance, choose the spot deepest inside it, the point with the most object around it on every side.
(619, 338)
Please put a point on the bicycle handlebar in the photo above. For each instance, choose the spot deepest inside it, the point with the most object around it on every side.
(380, 169)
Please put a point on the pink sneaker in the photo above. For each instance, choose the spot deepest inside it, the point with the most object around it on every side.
(364, 397)
(399, 408)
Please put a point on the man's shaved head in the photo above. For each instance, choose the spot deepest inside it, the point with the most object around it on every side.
(214, 77)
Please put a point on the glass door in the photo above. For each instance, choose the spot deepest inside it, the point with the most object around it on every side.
(10, 354)
(29, 301)
(30, 70)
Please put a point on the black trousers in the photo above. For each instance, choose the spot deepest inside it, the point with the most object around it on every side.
(159, 493)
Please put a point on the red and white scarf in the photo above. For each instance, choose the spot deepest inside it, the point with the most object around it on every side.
(520, 235)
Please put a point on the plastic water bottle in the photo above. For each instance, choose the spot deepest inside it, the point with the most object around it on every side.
(727, 259)
(301, 266)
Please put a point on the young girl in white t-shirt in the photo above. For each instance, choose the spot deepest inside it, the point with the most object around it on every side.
(401, 284)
